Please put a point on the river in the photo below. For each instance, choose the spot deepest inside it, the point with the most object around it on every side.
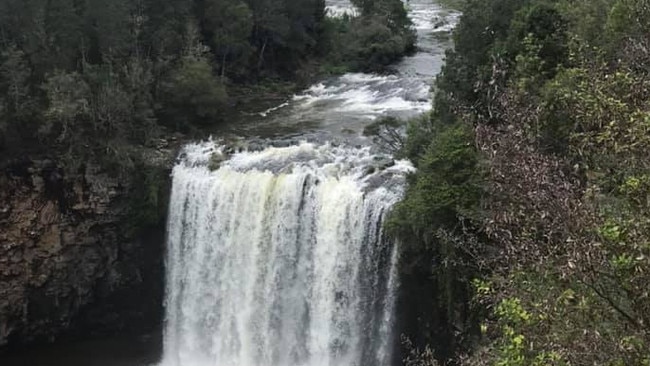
(338, 108)
(277, 258)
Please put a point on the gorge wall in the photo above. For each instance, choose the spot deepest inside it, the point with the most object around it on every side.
(71, 261)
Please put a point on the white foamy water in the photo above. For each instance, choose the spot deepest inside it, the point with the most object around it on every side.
(278, 258)
(367, 95)
(362, 97)
(431, 18)
(338, 10)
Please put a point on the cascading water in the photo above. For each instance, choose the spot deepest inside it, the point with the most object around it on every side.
(278, 258)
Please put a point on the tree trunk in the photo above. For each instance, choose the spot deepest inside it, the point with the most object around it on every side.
(223, 67)
(260, 61)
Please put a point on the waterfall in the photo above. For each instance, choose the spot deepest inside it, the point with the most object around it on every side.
(277, 258)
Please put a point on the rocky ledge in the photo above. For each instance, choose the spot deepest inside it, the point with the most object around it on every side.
(71, 262)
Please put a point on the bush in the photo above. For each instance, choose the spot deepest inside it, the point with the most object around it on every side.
(371, 41)
(446, 186)
(192, 95)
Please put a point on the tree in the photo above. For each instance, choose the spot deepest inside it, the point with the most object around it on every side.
(165, 25)
(138, 80)
(191, 94)
(15, 73)
(230, 24)
(111, 23)
(63, 25)
(68, 97)
(270, 27)
(19, 107)
(556, 93)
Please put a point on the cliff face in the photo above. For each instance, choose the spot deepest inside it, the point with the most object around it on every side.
(68, 265)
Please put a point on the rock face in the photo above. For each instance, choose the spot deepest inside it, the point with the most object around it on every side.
(68, 265)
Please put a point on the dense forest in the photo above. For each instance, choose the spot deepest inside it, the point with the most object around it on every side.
(527, 223)
(102, 79)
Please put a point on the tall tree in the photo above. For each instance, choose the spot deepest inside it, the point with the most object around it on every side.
(166, 23)
(111, 26)
(229, 24)
(17, 103)
(63, 21)
(68, 98)
(270, 27)
(15, 74)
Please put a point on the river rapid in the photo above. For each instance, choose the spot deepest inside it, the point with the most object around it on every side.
(338, 108)
(291, 233)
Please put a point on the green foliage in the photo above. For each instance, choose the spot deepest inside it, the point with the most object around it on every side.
(627, 25)
(230, 24)
(94, 79)
(374, 44)
(16, 73)
(18, 107)
(192, 95)
(419, 132)
(447, 185)
(112, 27)
(478, 39)
(148, 197)
(68, 97)
(557, 93)
(441, 201)
(85, 77)
(380, 35)
(543, 29)
(165, 26)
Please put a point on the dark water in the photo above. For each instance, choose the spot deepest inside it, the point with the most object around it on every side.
(334, 109)
(126, 351)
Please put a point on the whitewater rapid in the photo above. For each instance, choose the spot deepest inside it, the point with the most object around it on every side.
(338, 108)
(278, 257)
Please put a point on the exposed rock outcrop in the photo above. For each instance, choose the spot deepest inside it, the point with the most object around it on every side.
(70, 262)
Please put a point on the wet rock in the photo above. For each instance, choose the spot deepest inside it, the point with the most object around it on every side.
(282, 143)
(216, 159)
(255, 146)
(439, 24)
(383, 162)
(370, 170)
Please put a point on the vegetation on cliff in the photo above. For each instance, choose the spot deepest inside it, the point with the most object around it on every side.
(529, 212)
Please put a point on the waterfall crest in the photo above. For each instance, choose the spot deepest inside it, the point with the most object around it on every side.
(278, 258)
